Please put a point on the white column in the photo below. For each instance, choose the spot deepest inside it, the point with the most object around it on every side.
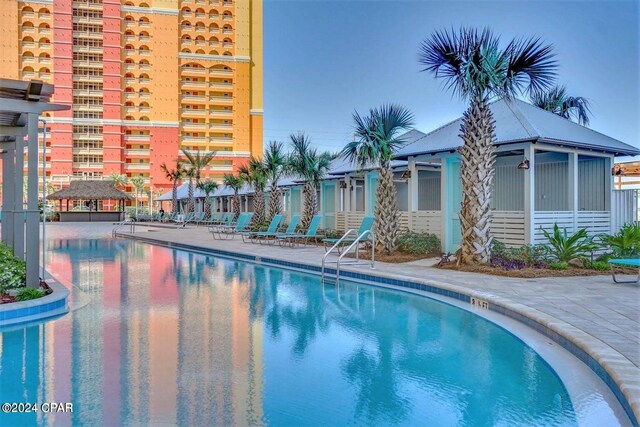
(608, 189)
(18, 191)
(529, 195)
(33, 213)
(346, 206)
(8, 175)
(572, 193)
(444, 220)
(413, 187)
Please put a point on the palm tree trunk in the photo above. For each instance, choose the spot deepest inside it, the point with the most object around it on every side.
(386, 211)
(258, 206)
(174, 196)
(207, 207)
(477, 172)
(275, 204)
(310, 204)
(192, 201)
(236, 205)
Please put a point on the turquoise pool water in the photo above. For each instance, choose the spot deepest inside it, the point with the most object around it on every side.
(168, 337)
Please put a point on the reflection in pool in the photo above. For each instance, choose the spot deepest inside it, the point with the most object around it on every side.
(172, 337)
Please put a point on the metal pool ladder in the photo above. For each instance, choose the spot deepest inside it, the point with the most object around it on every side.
(367, 234)
(122, 224)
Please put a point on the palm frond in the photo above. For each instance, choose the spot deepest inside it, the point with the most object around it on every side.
(531, 65)
(558, 101)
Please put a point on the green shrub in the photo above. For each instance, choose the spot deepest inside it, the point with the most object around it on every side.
(565, 248)
(597, 265)
(532, 256)
(12, 270)
(624, 244)
(330, 233)
(418, 243)
(558, 265)
(27, 294)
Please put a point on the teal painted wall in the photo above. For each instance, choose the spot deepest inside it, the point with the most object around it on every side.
(453, 194)
(328, 204)
(372, 182)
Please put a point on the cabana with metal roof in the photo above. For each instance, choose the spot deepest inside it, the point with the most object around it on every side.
(21, 103)
(548, 170)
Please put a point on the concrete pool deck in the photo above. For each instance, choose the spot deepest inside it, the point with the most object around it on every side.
(600, 317)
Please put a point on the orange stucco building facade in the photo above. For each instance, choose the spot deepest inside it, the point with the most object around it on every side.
(144, 79)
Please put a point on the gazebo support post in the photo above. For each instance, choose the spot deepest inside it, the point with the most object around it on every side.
(8, 193)
(33, 213)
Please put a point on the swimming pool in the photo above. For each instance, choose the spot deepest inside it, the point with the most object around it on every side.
(164, 337)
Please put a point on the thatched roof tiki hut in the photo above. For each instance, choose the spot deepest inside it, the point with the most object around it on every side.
(93, 194)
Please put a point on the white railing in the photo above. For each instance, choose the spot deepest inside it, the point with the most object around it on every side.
(426, 222)
(349, 220)
(595, 222)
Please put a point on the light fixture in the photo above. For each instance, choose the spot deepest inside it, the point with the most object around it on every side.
(524, 164)
(617, 171)
(3, 151)
(406, 174)
(343, 184)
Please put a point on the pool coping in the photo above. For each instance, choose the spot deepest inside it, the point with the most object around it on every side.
(616, 371)
(51, 305)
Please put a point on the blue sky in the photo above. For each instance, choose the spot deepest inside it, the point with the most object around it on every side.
(324, 59)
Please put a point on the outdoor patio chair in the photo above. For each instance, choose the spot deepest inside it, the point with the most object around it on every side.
(213, 218)
(271, 230)
(230, 232)
(311, 233)
(185, 219)
(629, 262)
(227, 220)
(365, 225)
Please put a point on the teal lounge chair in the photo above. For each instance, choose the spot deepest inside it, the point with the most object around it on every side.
(311, 233)
(629, 262)
(214, 218)
(188, 217)
(226, 221)
(365, 225)
(244, 220)
(271, 231)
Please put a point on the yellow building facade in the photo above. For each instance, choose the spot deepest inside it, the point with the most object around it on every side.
(145, 79)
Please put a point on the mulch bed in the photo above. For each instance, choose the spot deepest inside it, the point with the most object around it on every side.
(6, 299)
(395, 258)
(531, 273)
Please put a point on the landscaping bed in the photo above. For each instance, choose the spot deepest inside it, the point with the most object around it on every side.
(13, 279)
(529, 272)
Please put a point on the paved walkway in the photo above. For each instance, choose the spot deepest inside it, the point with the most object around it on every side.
(599, 316)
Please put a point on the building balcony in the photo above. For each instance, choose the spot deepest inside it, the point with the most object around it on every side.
(225, 31)
(129, 81)
(135, 138)
(227, 18)
(191, 83)
(28, 59)
(86, 107)
(88, 35)
(44, 31)
(219, 72)
(223, 113)
(88, 136)
(201, 42)
(144, 38)
(220, 85)
(201, 15)
(87, 20)
(186, 27)
(144, 95)
(137, 166)
(144, 81)
(194, 139)
(129, 109)
(44, 45)
(194, 98)
(144, 109)
(86, 78)
(185, 42)
(87, 64)
(193, 70)
(44, 75)
(88, 5)
(228, 45)
(130, 24)
(144, 53)
(194, 126)
(88, 49)
(129, 66)
(221, 99)
(44, 16)
(187, 14)
(28, 30)
(144, 66)
(220, 168)
(192, 112)
(29, 15)
(86, 150)
(144, 24)
(137, 152)
(221, 141)
(200, 29)
(130, 95)
(85, 92)
(28, 74)
(221, 126)
(28, 44)
(85, 165)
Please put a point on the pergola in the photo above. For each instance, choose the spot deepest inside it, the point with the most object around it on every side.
(21, 103)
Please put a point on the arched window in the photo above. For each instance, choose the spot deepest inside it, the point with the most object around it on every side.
(129, 61)
(128, 104)
(44, 11)
(214, 52)
(129, 118)
(200, 52)
(27, 9)
(227, 15)
(143, 34)
(227, 29)
(213, 14)
(44, 25)
(213, 41)
(144, 76)
(129, 33)
(144, 118)
(144, 90)
(27, 54)
(128, 76)
(27, 24)
(129, 18)
(128, 47)
(27, 40)
(44, 70)
(144, 105)
(213, 27)
(144, 20)
(129, 89)
(199, 25)
(227, 53)
(27, 70)
(144, 48)
(185, 10)
(44, 55)
(144, 62)
(185, 50)
(144, 5)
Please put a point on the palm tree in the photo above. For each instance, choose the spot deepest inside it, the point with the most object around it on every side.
(138, 187)
(474, 67)
(119, 180)
(310, 165)
(557, 101)
(235, 183)
(254, 174)
(208, 187)
(174, 175)
(275, 165)
(376, 140)
(194, 164)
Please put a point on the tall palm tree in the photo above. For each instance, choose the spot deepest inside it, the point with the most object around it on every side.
(119, 180)
(207, 187)
(310, 165)
(138, 187)
(194, 164)
(234, 182)
(557, 101)
(275, 165)
(254, 174)
(174, 175)
(475, 67)
(377, 137)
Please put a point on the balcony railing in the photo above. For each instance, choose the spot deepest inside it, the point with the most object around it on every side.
(220, 72)
(220, 85)
(137, 166)
(221, 126)
(28, 44)
(225, 113)
(193, 83)
(137, 152)
(194, 139)
(137, 137)
(221, 99)
(191, 112)
(193, 70)
(194, 97)
(44, 45)
(86, 165)
(28, 59)
(194, 125)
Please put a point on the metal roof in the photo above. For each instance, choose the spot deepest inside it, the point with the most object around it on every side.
(519, 121)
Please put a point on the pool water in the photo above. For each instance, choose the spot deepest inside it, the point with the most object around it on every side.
(168, 337)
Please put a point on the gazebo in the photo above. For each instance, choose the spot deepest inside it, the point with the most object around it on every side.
(91, 193)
